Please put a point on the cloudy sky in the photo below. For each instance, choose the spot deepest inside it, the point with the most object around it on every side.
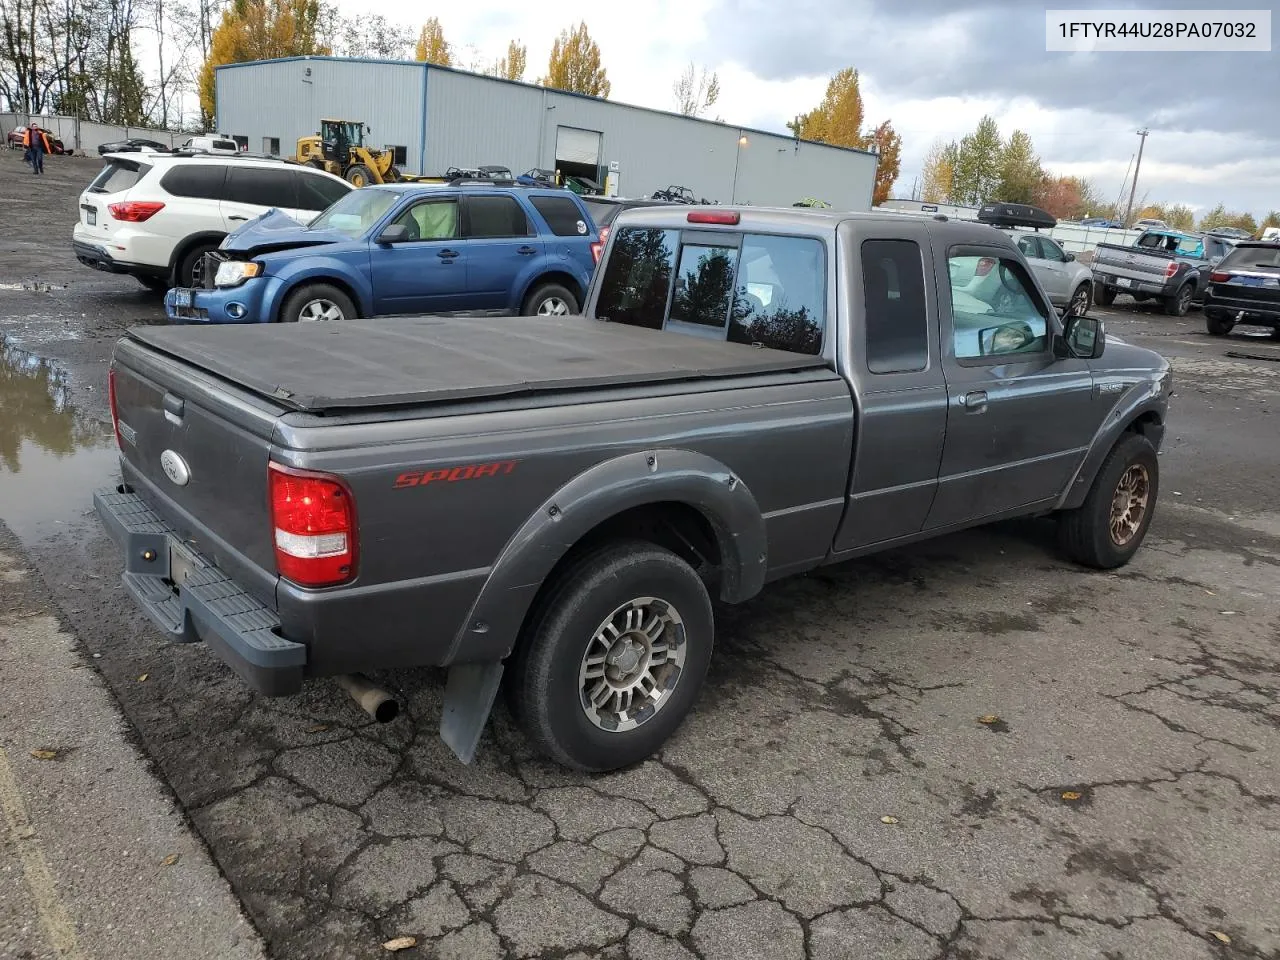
(934, 67)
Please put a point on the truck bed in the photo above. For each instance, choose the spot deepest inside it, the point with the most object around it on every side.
(317, 367)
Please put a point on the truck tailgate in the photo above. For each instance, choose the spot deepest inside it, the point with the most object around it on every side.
(197, 449)
(1130, 262)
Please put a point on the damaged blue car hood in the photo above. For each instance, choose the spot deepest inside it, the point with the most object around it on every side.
(276, 230)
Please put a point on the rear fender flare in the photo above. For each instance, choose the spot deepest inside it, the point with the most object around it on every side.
(595, 496)
(1136, 404)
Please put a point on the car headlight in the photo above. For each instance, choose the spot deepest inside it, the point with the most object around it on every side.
(231, 273)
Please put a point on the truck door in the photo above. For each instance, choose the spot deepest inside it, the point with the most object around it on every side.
(1019, 419)
(891, 355)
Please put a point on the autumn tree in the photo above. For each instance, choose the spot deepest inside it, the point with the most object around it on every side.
(938, 171)
(696, 92)
(511, 66)
(1020, 172)
(979, 160)
(1219, 216)
(888, 146)
(1272, 219)
(260, 30)
(373, 36)
(838, 118)
(575, 64)
(1180, 217)
(432, 46)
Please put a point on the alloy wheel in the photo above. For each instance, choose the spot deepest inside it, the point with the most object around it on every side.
(553, 307)
(319, 310)
(1129, 504)
(632, 664)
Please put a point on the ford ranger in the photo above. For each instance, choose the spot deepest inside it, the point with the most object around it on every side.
(552, 503)
(1163, 265)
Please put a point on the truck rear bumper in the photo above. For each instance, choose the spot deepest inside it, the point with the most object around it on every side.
(190, 599)
(1130, 284)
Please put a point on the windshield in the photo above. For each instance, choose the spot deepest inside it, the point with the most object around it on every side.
(356, 212)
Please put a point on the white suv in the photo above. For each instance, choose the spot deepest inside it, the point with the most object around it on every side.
(155, 216)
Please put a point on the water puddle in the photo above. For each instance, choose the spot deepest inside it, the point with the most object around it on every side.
(52, 456)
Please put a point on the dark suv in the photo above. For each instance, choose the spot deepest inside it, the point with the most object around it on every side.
(1244, 288)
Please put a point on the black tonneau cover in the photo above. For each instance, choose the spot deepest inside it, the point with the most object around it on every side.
(391, 361)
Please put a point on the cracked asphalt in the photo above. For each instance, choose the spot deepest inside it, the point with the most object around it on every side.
(966, 749)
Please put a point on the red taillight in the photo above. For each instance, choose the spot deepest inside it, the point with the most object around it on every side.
(984, 266)
(1219, 277)
(314, 521)
(135, 211)
(111, 402)
(1170, 269)
(727, 217)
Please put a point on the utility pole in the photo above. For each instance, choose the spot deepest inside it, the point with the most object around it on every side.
(1133, 188)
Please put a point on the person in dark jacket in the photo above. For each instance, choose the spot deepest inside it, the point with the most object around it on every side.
(37, 142)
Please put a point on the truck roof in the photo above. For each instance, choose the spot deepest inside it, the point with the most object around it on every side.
(803, 220)
(392, 361)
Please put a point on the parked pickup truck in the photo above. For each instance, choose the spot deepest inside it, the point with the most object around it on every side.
(554, 501)
(1165, 265)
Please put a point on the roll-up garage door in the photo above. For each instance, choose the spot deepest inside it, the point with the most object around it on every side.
(577, 146)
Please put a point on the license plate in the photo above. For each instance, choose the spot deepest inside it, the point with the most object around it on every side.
(1252, 281)
(182, 297)
(1124, 282)
(90, 215)
(181, 565)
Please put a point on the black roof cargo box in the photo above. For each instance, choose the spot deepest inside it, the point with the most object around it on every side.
(1015, 215)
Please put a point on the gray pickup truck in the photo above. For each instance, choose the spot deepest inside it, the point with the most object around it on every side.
(553, 502)
(1163, 265)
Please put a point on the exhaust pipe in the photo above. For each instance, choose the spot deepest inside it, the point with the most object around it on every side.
(373, 700)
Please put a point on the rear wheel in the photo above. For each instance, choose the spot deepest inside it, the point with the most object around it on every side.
(1218, 324)
(613, 658)
(1107, 529)
(191, 269)
(1180, 302)
(550, 300)
(1103, 295)
(358, 175)
(317, 303)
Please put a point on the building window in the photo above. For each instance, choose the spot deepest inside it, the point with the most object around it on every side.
(271, 146)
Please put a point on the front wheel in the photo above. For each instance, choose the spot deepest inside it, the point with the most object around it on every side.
(550, 300)
(1107, 529)
(317, 302)
(358, 175)
(1180, 302)
(613, 658)
(1103, 295)
(1080, 301)
(1218, 325)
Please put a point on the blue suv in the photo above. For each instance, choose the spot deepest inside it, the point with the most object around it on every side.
(402, 249)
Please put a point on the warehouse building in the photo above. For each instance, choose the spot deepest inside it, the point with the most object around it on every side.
(437, 118)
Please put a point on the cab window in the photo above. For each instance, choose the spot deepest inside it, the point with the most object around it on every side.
(994, 310)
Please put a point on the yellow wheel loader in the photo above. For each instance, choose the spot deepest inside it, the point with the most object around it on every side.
(339, 149)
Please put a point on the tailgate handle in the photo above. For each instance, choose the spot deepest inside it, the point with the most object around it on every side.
(174, 406)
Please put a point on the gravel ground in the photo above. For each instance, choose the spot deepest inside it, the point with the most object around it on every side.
(965, 749)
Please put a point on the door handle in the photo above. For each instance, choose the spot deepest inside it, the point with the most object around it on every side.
(526, 251)
(237, 218)
(447, 254)
(975, 402)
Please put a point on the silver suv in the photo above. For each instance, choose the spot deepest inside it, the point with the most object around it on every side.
(1068, 282)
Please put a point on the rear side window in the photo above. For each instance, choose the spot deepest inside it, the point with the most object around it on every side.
(781, 294)
(201, 181)
(897, 326)
(495, 216)
(317, 193)
(118, 175)
(637, 277)
(1252, 258)
(562, 216)
(261, 187)
(602, 214)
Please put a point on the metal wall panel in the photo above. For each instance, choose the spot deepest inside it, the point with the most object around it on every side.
(279, 99)
(472, 120)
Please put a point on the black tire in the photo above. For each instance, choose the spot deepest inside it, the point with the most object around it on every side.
(306, 296)
(545, 684)
(1081, 298)
(317, 164)
(552, 299)
(1218, 324)
(1103, 295)
(1086, 534)
(154, 284)
(191, 269)
(1180, 302)
(358, 175)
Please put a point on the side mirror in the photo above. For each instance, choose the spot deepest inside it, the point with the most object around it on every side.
(396, 233)
(1083, 338)
(1068, 257)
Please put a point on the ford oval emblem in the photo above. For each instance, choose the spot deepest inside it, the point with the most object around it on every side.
(175, 468)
